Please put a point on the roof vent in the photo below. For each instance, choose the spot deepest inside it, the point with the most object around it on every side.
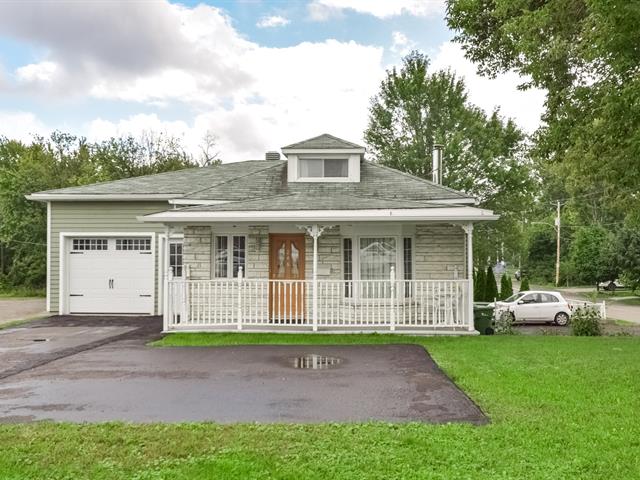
(272, 156)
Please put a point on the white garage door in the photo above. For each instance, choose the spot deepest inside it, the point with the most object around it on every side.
(110, 275)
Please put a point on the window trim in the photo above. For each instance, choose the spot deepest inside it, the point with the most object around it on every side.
(355, 259)
(229, 237)
(323, 178)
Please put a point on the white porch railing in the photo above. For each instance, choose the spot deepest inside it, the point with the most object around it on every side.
(273, 305)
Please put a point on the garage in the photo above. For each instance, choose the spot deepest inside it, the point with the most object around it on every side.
(110, 275)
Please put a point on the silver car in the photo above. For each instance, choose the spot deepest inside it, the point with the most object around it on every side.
(536, 306)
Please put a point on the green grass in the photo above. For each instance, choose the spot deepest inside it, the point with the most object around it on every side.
(22, 292)
(561, 408)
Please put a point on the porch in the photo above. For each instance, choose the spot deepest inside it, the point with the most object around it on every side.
(401, 277)
(408, 306)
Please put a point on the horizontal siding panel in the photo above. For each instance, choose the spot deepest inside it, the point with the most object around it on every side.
(97, 217)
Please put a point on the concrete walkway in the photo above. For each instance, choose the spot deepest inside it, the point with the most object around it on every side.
(12, 309)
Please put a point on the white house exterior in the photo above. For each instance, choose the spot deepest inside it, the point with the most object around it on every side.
(322, 240)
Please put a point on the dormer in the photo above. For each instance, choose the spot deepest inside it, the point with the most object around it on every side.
(324, 158)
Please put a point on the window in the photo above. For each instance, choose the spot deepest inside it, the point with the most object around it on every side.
(89, 244)
(229, 255)
(141, 244)
(175, 258)
(407, 256)
(347, 261)
(548, 298)
(531, 298)
(377, 256)
(324, 168)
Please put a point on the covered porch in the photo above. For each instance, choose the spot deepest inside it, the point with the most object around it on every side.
(333, 273)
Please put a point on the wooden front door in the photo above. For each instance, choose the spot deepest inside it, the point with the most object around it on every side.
(286, 272)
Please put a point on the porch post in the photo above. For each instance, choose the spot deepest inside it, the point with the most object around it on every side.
(165, 281)
(239, 311)
(315, 233)
(468, 228)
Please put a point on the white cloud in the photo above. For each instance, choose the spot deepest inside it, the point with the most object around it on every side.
(272, 21)
(321, 10)
(525, 107)
(401, 44)
(37, 72)
(19, 125)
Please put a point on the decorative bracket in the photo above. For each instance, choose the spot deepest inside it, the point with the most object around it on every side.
(467, 227)
(315, 230)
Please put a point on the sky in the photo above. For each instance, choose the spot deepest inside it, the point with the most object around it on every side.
(255, 74)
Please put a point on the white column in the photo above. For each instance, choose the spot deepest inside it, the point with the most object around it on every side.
(239, 311)
(392, 278)
(468, 228)
(165, 280)
(315, 234)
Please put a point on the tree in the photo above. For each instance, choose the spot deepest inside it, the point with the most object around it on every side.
(593, 255)
(524, 285)
(479, 286)
(506, 290)
(628, 255)
(584, 54)
(484, 155)
(491, 287)
(63, 161)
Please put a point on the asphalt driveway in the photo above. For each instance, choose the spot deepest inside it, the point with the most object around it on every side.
(99, 369)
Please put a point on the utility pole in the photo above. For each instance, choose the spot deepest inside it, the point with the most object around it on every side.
(558, 244)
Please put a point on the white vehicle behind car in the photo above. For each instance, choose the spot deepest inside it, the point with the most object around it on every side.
(536, 306)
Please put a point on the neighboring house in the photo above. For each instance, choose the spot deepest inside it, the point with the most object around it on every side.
(322, 240)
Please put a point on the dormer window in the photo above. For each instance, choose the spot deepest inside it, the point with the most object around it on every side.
(324, 168)
(324, 158)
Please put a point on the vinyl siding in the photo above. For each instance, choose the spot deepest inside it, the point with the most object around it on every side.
(97, 217)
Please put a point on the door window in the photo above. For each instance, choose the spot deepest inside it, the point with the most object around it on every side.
(175, 258)
(531, 298)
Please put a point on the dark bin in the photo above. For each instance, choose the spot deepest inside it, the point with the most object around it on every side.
(483, 319)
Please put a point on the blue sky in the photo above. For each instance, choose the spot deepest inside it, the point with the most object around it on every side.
(256, 74)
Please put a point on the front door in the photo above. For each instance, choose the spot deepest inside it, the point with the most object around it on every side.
(286, 274)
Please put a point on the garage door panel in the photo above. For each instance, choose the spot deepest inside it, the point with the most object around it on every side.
(111, 280)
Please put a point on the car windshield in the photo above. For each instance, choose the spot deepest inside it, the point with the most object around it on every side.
(514, 297)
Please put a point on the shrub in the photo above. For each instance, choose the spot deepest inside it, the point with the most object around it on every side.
(586, 322)
(524, 285)
(506, 289)
(504, 324)
(490, 287)
(479, 285)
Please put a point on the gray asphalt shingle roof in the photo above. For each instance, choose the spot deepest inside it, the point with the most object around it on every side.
(178, 183)
(323, 141)
(376, 181)
(263, 185)
(310, 201)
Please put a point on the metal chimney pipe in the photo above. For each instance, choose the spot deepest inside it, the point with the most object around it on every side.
(436, 170)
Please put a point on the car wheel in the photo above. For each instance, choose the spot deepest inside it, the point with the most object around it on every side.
(611, 287)
(561, 319)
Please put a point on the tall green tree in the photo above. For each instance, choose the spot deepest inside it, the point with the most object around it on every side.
(593, 255)
(584, 54)
(479, 285)
(484, 155)
(62, 161)
(628, 255)
(491, 287)
(506, 289)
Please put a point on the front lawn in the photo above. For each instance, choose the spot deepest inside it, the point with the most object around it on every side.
(561, 407)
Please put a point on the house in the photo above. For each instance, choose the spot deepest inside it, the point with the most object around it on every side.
(321, 239)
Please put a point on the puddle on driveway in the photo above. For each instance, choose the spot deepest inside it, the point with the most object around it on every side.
(316, 362)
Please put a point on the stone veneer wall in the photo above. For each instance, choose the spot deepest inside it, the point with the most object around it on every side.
(438, 250)
(196, 252)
